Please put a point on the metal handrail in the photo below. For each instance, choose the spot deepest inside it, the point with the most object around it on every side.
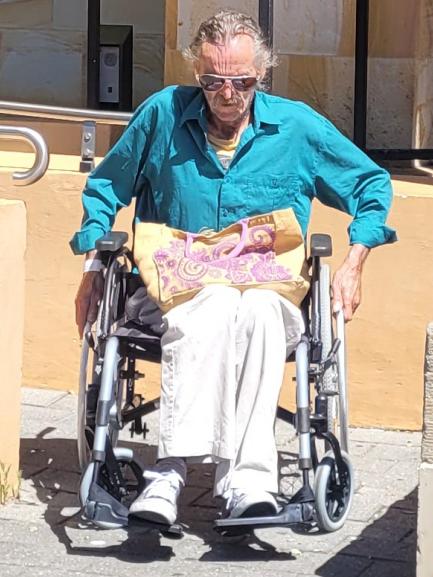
(62, 113)
(36, 140)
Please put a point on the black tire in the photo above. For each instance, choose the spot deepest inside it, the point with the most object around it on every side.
(89, 373)
(332, 502)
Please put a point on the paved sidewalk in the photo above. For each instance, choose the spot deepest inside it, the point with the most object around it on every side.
(43, 533)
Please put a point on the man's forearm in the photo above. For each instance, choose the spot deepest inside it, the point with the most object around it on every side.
(346, 284)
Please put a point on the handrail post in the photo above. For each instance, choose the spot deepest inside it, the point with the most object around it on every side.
(88, 145)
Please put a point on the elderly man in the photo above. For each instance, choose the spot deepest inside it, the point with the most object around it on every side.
(206, 156)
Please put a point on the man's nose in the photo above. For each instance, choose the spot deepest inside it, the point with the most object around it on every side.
(227, 90)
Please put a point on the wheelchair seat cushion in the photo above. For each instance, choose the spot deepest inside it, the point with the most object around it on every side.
(142, 311)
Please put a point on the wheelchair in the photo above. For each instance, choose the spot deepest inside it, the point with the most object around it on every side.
(107, 401)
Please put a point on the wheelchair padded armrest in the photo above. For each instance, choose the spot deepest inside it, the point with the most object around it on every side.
(112, 241)
(320, 245)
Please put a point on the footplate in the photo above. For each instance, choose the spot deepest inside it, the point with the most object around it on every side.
(291, 514)
(103, 510)
(106, 512)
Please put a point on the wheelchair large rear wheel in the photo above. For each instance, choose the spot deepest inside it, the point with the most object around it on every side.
(329, 383)
(333, 493)
(91, 367)
(88, 375)
(92, 357)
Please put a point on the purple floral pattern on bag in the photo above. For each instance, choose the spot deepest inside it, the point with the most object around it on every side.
(255, 263)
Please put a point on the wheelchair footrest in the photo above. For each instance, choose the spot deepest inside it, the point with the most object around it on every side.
(103, 510)
(291, 514)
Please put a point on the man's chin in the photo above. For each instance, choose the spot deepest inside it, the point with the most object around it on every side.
(228, 114)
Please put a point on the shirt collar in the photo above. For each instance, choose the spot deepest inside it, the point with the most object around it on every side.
(196, 110)
(262, 112)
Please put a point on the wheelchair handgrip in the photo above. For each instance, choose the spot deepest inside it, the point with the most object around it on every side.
(111, 241)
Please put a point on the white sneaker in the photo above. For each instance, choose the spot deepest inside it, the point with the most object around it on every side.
(250, 503)
(158, 501)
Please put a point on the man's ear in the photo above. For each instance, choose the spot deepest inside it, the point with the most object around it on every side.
(196, 73)
(261, 73)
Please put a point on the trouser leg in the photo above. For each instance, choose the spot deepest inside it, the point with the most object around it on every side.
(268, 327)
(198, 389)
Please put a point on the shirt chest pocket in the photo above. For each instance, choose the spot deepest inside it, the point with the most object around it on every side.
(268, 192)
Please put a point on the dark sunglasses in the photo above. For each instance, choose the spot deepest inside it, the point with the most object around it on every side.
(214, 82)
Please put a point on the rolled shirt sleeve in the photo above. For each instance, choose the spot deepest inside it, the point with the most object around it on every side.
(347, 179)
(112, 185)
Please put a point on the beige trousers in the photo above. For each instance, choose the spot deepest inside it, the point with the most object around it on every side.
(223, 358)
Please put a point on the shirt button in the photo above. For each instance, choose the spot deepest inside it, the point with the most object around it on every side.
(228, 179)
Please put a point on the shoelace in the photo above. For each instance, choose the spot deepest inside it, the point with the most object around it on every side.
(157, 479)
(232, 497)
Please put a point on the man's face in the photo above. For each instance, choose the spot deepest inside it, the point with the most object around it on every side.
(235, 58)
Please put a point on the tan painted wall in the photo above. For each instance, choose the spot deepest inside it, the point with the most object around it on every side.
(386, 339)
(12, 281)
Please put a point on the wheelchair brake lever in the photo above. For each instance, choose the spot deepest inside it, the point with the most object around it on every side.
(89, 336)
(330, 359)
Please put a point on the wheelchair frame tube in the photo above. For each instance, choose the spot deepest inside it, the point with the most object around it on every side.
(105, 400)
(303, 404)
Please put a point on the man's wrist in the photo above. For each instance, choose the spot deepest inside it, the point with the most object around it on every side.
(357, 255)
(92, 265)
(93, 262)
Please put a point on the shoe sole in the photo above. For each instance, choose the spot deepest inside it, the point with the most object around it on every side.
(152, 517)
(259, 510)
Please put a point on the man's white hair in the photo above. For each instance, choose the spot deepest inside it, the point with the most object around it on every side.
(227, 24)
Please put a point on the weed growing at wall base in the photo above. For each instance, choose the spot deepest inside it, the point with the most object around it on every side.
(8, 489)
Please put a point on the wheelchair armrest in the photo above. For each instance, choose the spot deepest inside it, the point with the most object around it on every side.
(111, 242)
(320, 245)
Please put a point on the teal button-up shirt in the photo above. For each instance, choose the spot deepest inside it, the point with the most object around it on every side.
(286, 157)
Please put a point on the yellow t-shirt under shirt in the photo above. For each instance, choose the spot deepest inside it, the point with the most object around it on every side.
(225, 149)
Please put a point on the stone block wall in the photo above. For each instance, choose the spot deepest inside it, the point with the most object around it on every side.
(315, 42)
(423, 100)
(43, 48)
(43, 55)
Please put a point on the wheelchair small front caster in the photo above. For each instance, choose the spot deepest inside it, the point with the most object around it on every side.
(333, 492)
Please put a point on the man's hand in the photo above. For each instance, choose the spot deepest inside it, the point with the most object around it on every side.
(87, 300)
(346, 284)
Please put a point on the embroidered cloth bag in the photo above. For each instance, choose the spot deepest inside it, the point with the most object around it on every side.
(264, 251)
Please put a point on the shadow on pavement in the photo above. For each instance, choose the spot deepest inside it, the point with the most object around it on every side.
(52, 466)
(389, 542)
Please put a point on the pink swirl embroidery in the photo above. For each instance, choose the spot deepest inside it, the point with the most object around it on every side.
(191, 270)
